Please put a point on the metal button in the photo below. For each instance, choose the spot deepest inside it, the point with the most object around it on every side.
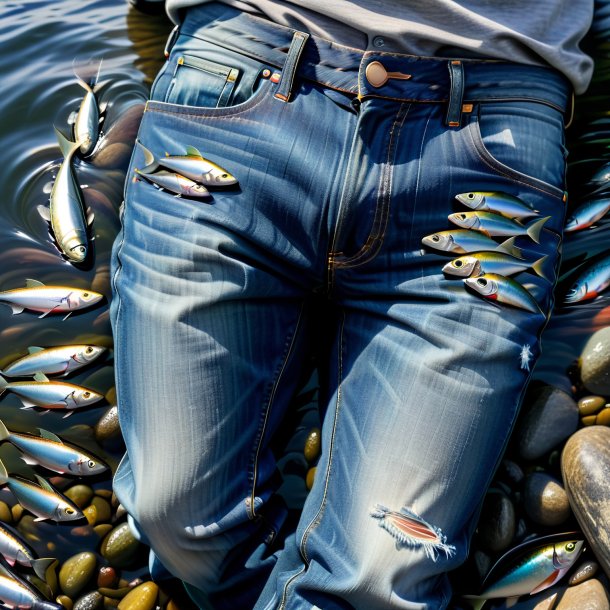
(376, 74)
(378, 41)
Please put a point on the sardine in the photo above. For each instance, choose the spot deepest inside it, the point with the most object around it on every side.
(87, 120)
(50, 451)
(49, 299)
(528, 569)
(50, 394)
(15, 550)
(192, 165)
(502, 203)
(175, 183)
(66, 212)
(496, 225)
(503, 290)
(41, 500)
(587, 214)
(60, 360)
(462, 241)
(16, 594)
(591, 282)
(478, 263)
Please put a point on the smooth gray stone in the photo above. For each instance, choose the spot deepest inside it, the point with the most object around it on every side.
(584, 571)
(545, 499)
(585, 466)
(550, 419)
(595, 362)
(497, 523)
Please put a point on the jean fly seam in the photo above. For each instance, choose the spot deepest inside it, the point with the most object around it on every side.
(318, 516)
(251, 509)
(375, 239)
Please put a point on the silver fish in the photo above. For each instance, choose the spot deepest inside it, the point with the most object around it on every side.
(41, 500)
(479, 263)
(15, 594)
(192, 165)
(591, 282)
(50, 451)
(15, 550)
(87, 120)
(462, 241)
(503, 290)
(175, 183)
(66, 211)
(60, 360)
(496, 225)
(50, 394)
(528, 569)
(49, 299)
(587, 214)
(502, 203)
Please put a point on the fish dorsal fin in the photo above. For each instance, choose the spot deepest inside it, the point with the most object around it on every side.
(34, 349)
(49, 435)
(44, 483)
(193, 152)
(29, 283)
(41, 377)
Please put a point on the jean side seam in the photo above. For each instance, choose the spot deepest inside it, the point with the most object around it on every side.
(251, 508)
(375, 239)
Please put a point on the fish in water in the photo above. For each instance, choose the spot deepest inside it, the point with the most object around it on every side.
(462, 241)
(66, 211)
(590, 282)
(41, 500)
(87, 120)
(16, 593)
(501, 203)
(587, 214)
(503, 290)
(495, 225)
(175, 183)
(50, 451)
(36, 296)
(478, 263)
(50, 394)
(192, 165)
(15, 550)
(60, 360)
(528, 569)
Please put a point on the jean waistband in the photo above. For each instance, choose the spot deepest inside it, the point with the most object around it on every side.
(374, 73)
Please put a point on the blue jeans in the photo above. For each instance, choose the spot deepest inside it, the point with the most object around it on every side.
(340, 176)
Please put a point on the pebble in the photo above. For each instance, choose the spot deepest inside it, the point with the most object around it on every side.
(585, 466)
(551, 418)
(90, 514)
(603, 417)
(497, 522)
(115, 593)
(546, 501)
(102, 529)
(102, 506)
(6, 515)
(65, 601)
(143, 597)
(113, 156)
(589, 420)
(589, 405)
(76, 572)
(16, 512)
(595, 362)
(583, 572)
(107, 577)
(545, 600)
(107, 428)
(90, 601)
(80, 494)
(312, 445)
(120, 546)
(510, 472)
(590, 595)
(309, 478)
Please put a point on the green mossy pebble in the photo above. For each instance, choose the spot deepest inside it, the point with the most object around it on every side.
(65, 601)
(102, 529)
(312, 445)
(104, 493)
(107, 577)
(110, 603)
(5, 513)
(120, 546)
(143, 597)
(90, 601)
(90, 514)
(588, 405)
(589, 420)
(80, 494)
(603, 417)
(16, 511)
(115, 593)
(76, 572)
(104, 511)
(311, 473)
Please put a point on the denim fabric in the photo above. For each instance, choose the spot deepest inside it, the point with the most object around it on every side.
(421, 378)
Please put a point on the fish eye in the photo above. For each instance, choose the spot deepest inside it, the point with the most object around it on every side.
(88, 350)
(91, 464)
(85, 294)
(570, 547)
(436, 238)
(86, 394)
(462, 216)
(68, 510)
(225, 175)
(458, 263)
(481, 281)
(470, 195)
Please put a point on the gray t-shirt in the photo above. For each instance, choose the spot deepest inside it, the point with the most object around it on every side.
(525, 31)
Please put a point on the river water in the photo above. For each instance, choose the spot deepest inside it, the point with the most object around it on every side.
(41, 42)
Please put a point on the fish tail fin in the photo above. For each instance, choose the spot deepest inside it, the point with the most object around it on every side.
(67, 146)
(149, 158)
(4, 433)
(509, 247)
(534, 228)
(3, 385)
(87, 74)
(40, 566)
(476, 603)
(3, 474)
(544, 268)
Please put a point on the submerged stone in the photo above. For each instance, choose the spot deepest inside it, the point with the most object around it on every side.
(583, 572)
(546, 501)
(75, 574)
(590, 595)
(90, 601)
(497, 523)
(143, 597)
(589, 405)
(595, 363)
(120, 546)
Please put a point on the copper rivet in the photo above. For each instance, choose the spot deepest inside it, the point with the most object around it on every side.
(376, 74)
(467, 108)
(266, 73)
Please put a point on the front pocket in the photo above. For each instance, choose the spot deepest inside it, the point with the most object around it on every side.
(201, 82)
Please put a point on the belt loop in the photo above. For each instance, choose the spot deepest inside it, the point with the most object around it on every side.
(284, 90)
(456, 93)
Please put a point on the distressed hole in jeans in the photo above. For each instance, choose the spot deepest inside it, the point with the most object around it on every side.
(411, 531)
